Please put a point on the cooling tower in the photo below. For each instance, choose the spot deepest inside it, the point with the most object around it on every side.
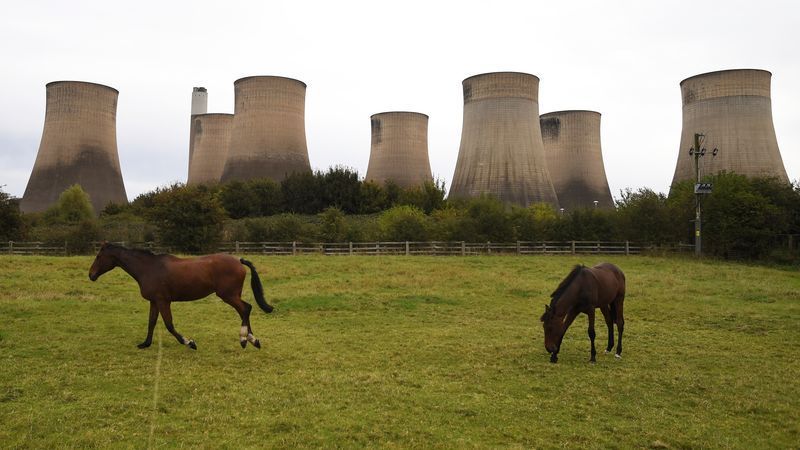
(734, 111)
(501, 150)
(268, 138)
(79, 146)
(399, 150)
(574, 159)
(199, 100)
(208, 147)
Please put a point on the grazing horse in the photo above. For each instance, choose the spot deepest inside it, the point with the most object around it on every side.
(582, 291)
(165, 278)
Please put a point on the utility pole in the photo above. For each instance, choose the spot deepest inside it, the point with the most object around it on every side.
(699, 190)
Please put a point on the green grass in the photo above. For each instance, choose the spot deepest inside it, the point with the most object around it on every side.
(401, 352)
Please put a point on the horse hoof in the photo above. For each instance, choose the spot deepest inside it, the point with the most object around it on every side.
(256, 344)
(143, 345)
(608, 351)
(192, 345)
(243, 343)
(618, 356)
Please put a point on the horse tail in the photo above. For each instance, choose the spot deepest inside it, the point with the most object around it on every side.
(255, 284)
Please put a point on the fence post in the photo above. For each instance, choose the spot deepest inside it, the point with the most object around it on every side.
(573, 247)
(463, 248)
(351, 247)
(237, 247)
(407, 249)
(294, 248)
(627, 248)
(11, 247)
(518, 252)
(544, 247)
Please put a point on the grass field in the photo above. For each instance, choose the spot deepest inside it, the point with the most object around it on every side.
(402, 352)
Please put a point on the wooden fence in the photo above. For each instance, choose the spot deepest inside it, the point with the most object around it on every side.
(376, 248)
(32, 248)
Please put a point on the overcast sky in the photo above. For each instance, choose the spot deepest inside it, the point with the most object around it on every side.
(624, 59)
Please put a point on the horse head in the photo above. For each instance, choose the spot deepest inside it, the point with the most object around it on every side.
(553, 329)
(103, 262)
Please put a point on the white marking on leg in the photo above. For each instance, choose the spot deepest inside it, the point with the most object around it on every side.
(617, 355)
(243, 332)
(251, 338)
(185, 341)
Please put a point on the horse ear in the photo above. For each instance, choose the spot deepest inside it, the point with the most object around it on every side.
(546, 307)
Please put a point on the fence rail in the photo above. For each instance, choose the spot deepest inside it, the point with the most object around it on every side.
(430, 248)
(32, 248)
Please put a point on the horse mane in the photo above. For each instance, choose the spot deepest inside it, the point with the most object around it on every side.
(566, 282)
(136, 250)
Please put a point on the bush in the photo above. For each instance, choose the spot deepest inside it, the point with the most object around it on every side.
(188, 218)
(489, 220)
(333, 227)
(428, 197)
(403, 223)
(537, 222)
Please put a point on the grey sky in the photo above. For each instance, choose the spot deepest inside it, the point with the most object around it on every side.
(621, 58)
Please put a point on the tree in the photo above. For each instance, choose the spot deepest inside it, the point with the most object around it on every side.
(188, 218)
(11, 224)
(73, 206)
(302, 193)
(238, 199)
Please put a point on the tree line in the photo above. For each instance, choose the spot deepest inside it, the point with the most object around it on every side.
(744, 218)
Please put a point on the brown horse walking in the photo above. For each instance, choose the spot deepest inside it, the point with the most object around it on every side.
(582, 291)
(164, 279)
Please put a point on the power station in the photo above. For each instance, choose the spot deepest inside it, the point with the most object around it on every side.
(733, 109)
(575, 159)
(78, 146)
(501, 152)
(209, 140)
(399, 149)
(268, 136)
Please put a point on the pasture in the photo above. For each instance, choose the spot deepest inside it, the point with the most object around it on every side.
(401, 352)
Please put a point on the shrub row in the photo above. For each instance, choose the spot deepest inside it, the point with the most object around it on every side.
(742, 218)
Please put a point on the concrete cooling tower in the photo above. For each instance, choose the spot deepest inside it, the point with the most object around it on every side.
(574, 159)
(209, 140)
(78, 146)
(734, 110)
(268, 138)
(501, 150)
(399, 150)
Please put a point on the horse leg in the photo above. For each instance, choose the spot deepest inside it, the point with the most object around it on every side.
(166, 314)
(592, 334)
(620, 325)
(151, 324)
(246, 331)
(610, 325)
(570, 317)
